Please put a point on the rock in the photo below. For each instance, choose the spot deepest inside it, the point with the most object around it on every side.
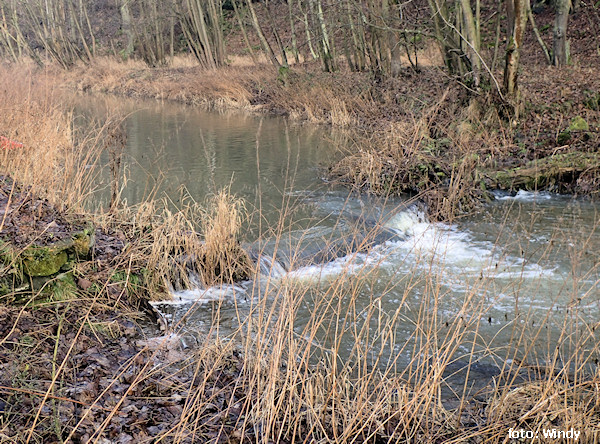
(579, 124)
(47, 260)
(43, 261)
(83, 283)
(84, 241)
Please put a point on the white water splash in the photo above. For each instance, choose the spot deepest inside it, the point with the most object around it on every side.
(528, 196)
(442, 242)
(204, 295)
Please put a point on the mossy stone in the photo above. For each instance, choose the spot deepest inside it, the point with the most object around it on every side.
(579, 124)
(82, 243)
(43, 261)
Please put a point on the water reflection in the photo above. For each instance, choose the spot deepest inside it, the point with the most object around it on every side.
(261, 159)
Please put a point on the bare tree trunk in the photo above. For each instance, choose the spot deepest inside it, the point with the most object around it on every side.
(238, 17)
(293, 31)
(516, 11)
(261, 36)
(538, 36)
(127, 29)
(471, 26)
(83, 9)
(307, 30)
(284, 60)
(201, 25)
(497, 37)
(77, 26)
(448, 37)
(561, 45)
(358, 47)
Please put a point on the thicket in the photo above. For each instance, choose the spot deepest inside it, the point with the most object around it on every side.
(366, 35)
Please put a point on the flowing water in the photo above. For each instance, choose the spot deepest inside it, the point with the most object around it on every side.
(523, 270)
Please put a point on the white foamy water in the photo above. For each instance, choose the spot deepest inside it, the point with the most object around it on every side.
(528, 196)
(320, 273)
(455, 254)
(437, 241)
(203, 295)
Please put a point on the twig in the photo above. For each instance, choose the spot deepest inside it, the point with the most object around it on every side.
(538, 35)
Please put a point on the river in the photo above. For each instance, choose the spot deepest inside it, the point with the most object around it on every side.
(516, 282)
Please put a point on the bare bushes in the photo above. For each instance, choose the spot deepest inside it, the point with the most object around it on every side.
(408, 161)
(441, 153)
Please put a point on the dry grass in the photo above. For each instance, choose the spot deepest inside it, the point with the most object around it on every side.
(227, 88)
(186, 247)
(241, 85)
(47, 161)
(221, 256)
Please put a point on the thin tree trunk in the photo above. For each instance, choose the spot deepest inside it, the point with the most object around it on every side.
(293, 31)
(77, 26)
(308, 33)
(89, 26)
(127, 29)
(215, 15)
(561, 45)
(472, 47)
(238, 17)
(358, 48)
(261, 36)
(516, 12)
(7, 36)
(284, 59)
(497, 38)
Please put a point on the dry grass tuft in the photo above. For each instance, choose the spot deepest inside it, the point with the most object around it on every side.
(221, 257)
(186, 247)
